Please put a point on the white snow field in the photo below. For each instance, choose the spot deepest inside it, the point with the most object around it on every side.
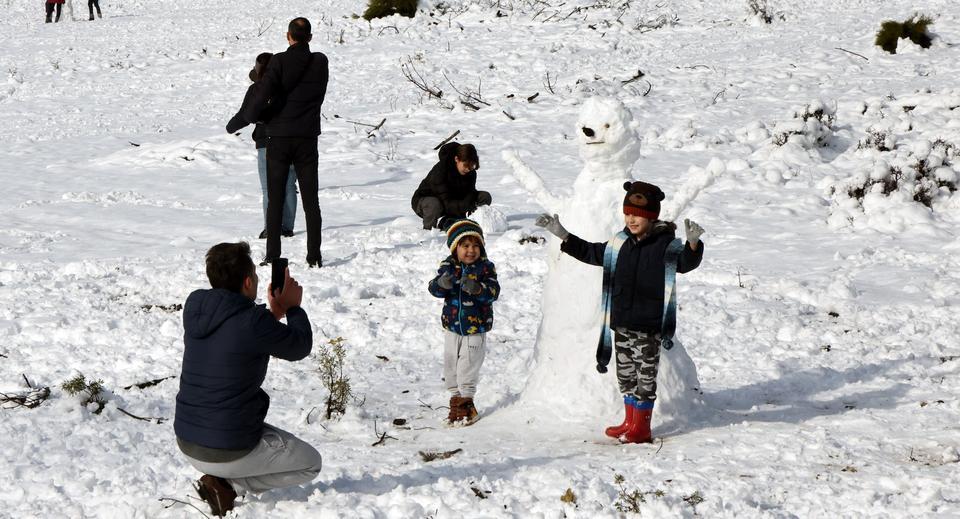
(823, 326)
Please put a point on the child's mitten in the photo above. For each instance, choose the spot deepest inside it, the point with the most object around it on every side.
(552, 224)
(446, 281)
(694, 231)
(471, 286)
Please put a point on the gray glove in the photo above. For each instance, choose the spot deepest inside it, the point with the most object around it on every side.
(446, 281)
(552, 224)
(471, 286)
(694, 231)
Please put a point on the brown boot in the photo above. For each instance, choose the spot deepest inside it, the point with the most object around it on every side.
(455, 412)
(468, 411)
(217, 492)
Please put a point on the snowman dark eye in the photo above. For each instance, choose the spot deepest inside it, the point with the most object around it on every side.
(606, 125)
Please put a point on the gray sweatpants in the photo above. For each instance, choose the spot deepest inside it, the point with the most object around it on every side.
(462, 357)
(279, 460)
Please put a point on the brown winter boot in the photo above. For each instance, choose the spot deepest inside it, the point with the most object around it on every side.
(217, 492)
(468, 411)
(454, 414)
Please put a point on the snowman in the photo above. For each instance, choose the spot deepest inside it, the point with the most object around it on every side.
(565, 381)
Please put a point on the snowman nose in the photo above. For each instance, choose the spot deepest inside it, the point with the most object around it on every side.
(588, 131)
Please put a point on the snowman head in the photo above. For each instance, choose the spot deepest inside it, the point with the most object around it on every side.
(606, 133)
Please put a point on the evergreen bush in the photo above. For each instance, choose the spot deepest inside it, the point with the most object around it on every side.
(913, 29)
(383, 8)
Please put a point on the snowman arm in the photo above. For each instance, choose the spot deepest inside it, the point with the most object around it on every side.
(531, 181)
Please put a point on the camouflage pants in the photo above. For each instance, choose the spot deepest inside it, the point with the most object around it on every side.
(638, 357)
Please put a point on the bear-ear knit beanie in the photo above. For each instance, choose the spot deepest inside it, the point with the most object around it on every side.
(460, 230)
(642, 199)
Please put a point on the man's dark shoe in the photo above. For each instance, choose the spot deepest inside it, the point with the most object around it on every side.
(217, 493)
(286, 233)
(263, 234)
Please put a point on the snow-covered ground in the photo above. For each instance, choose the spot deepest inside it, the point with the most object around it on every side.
(823, 327)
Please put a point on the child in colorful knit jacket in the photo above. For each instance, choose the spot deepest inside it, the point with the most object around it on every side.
(635, 282)
(467, 281)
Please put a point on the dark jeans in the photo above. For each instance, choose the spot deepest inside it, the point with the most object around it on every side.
(50, 11)
(301, 153)
(91, 4)
(431, 209)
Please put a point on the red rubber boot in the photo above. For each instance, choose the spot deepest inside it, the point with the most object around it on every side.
(615, 431)
(639, 431)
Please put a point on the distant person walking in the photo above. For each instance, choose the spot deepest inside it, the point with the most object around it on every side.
(288, 99)
(260, 140)
(449, 191)
(94, 3)
(50, 5)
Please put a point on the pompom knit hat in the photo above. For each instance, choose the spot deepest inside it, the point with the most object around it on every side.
(642, 199)
(460, 230)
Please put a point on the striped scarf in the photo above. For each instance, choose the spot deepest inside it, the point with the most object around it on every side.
(669, 324)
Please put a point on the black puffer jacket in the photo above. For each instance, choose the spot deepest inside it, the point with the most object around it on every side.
(237, 122)
(294, 107)
(457, 192)
(638, 279)
(228, 340)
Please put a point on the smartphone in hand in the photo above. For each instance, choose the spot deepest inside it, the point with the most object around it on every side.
(278, 276)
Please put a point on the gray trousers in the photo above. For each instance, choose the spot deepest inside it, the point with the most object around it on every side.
(638, 358)
(462, 357)
(279, 460)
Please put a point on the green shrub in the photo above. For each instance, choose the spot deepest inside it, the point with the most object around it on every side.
(331, 358)
(90, 391)
(382, 8)
(914, 29)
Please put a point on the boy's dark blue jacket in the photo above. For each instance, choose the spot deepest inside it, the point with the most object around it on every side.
(638, 280)
(228, 341)
(466, 314)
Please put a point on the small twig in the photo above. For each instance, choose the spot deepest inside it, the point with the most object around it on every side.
(149, 383)
(719, 94)
(660, 447)
(383, 358)
(431, 456)
(550, 83)
(649, 88)
(639, 75)
(424, 404)
(854, 53)
(470, 105)
(174, 501)
(380, 33)
(448, 139)
(531, 98)
(512, 118)
(383, 437)
(25, 379)
(131, 415)
(263, 28)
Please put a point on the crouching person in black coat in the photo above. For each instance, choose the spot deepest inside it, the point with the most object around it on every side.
(228, 341)
(634, 287)
(449, 192)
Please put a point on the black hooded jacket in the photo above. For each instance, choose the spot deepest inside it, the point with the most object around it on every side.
(289, 96)
(638, 279)
(457, 192)
(228, 340)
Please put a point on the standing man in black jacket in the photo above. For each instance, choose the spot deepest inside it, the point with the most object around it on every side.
(288, 100)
